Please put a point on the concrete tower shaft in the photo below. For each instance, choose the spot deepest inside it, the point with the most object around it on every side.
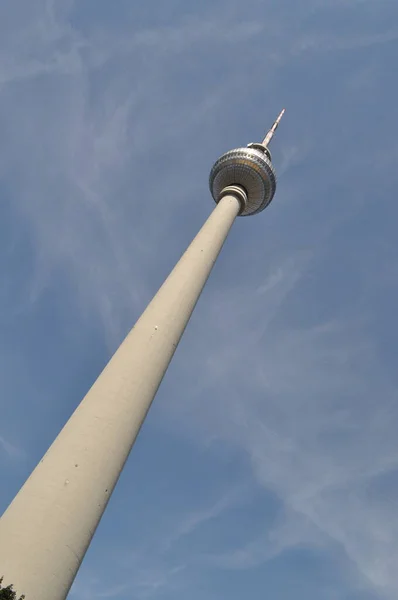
(45, 532)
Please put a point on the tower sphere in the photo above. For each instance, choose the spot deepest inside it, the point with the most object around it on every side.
(250, 168)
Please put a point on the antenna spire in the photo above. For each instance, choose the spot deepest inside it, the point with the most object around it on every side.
(274, 127)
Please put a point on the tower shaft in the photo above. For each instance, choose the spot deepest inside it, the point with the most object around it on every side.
(46, 530)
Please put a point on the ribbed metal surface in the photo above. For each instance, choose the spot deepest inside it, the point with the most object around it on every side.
(250, 169)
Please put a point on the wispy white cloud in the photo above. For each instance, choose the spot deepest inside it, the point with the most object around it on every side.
(319, 431)
(186, 525)
(12, 451)
(92, 587)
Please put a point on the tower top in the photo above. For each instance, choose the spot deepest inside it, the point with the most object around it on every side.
(274, 127)
(250, 169)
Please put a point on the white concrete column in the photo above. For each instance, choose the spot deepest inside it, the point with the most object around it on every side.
(46, 530)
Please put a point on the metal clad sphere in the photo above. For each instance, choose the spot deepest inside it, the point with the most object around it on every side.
(249, 168)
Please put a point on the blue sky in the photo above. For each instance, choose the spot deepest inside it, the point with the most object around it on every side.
(268, 463)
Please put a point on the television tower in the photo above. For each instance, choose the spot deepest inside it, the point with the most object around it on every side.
(46, 530)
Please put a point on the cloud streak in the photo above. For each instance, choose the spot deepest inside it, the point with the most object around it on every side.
(13, 452)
